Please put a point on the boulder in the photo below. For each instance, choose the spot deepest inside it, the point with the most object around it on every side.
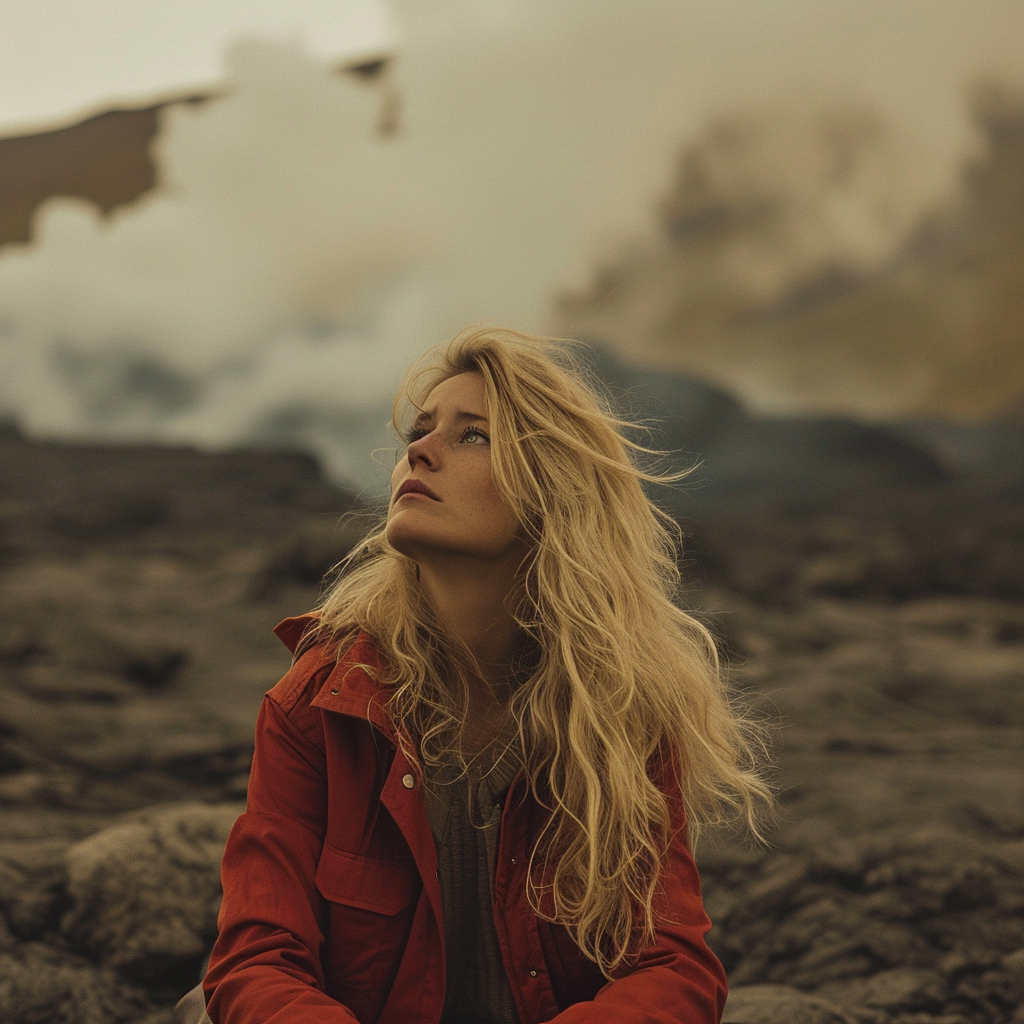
(780, 1004)
(42, 985)
(32, 880)
(144, 894)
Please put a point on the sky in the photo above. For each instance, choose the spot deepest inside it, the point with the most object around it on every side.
(62, 58)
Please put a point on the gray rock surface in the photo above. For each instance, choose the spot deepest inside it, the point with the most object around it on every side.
(144, 894)
(885, 633)
(42, 984)
(780, 1004)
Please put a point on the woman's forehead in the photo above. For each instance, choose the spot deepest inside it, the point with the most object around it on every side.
(464, 394)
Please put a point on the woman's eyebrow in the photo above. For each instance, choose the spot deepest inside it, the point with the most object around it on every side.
(461, 416)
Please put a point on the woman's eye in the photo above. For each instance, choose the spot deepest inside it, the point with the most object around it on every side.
(471, 435)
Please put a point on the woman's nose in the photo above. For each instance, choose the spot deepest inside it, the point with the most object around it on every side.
(423, 450)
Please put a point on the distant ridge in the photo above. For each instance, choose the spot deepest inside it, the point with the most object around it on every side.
(105, 159)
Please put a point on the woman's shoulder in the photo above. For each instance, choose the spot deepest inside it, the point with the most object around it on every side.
(316, 658)
(298, 632)
(312, 661)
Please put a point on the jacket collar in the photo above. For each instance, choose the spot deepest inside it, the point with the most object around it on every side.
(352, 687)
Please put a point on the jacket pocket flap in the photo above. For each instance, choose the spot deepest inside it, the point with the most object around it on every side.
(383, 886)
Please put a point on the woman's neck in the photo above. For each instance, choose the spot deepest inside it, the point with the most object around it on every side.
(472, 607)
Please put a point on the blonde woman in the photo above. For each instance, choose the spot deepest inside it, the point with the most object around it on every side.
(473, 794)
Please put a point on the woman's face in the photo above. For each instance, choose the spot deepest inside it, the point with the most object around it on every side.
(443, 499)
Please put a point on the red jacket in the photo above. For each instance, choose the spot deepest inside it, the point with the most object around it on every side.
(332, 908)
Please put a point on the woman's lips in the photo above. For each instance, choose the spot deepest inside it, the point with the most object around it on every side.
(415, 487)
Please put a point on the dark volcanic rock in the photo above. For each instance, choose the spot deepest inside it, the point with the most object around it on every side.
(682, 414)
(43, 985)
(307, 556)
(144, 895)
(64, 497)
(888, 543)
(126, 639)
(895, 925)
(737, 454)
(882, 625)
(33, 880)
(780, 1004)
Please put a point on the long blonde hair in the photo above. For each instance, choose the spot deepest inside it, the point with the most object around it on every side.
(623, 694)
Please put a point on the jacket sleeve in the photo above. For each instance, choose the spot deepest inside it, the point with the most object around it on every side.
(678, 979)
(266, 965)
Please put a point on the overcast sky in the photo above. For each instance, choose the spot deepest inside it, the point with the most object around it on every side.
(59, 58)
(62, 58)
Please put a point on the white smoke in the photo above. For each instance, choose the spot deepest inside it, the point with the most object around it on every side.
(294, 261)
(271, 286)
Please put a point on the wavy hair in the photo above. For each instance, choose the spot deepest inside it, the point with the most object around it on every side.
(622, 702)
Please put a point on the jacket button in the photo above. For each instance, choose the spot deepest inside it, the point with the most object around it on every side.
(533, 974)
(408, 781)
(334, 693)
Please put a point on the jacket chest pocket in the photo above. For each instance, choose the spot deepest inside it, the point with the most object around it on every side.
(370, 906)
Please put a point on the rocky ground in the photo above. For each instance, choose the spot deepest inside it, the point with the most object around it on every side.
(884, 631)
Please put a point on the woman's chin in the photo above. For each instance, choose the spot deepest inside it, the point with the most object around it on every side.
(412, 541)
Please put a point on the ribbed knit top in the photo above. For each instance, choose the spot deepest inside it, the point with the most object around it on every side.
(464, 811)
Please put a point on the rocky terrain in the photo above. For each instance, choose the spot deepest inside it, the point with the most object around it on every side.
(881, 626)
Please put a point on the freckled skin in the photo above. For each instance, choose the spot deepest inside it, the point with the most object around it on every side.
(451, 456)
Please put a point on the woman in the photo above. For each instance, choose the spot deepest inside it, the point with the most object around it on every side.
(471, 795)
